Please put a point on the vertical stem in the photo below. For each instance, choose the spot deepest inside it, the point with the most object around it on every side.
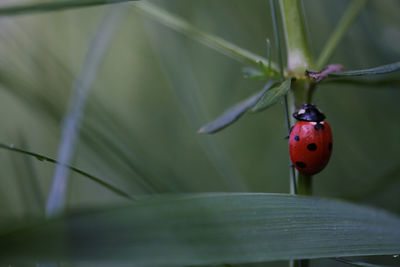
(297, 45)
(299, 58)
(304, 184)
(300, 93)
(285, 101)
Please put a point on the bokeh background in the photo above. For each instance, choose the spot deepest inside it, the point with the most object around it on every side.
(156, 87)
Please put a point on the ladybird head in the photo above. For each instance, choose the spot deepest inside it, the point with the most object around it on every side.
(309, 112)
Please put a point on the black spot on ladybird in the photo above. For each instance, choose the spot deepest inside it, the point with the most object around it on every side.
(330, 146)
(319, 126)
(297, 138)
(300, 164)
(312, 147)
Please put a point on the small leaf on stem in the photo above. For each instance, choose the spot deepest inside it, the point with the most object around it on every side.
(220, 45)
(253, 73)
(235, 112)
(373, 71)
(272, 96)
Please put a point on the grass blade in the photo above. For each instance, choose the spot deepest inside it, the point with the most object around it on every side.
(116, 152)
(72, 121)
(271, 96)
(31, 194)
(359, 263)
(348, 18)
(72, 168)
(183, 80)
(200, 229)
(366, 72)
(210, 40)
(29, 8)
(235, 112)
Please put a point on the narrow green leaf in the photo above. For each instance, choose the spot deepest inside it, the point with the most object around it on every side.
(263, 72)
(72, 120)
(210, 40)
(235, 112)
(29, 8)
(31, 193)
(201, 229)
(72, 168)
(102, 137)
(269, 53)
(373, 71)
(183, 80)
(341, 29)
(253, 73)
(272, 96)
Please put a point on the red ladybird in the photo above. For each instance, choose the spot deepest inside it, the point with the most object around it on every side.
(310, 140)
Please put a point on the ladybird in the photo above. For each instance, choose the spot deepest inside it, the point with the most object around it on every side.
(310, 140)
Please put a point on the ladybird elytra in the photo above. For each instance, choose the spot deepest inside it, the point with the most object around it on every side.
(310, 140)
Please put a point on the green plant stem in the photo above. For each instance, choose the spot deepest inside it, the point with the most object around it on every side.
(304, 184)
(298, 50)
(345, 22)
(300, 93)
(281, 72)
(299, 58)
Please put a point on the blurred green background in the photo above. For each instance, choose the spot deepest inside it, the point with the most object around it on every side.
(156, 87)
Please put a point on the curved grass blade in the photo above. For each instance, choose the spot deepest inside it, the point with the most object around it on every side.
(373, 71)
(210, 40)
(98, 46)
(72, 168)
(235, 112)
(271, 96)
(31, 194)
(201, 229)
(29, 8)
(182, 79)
(118, 151)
